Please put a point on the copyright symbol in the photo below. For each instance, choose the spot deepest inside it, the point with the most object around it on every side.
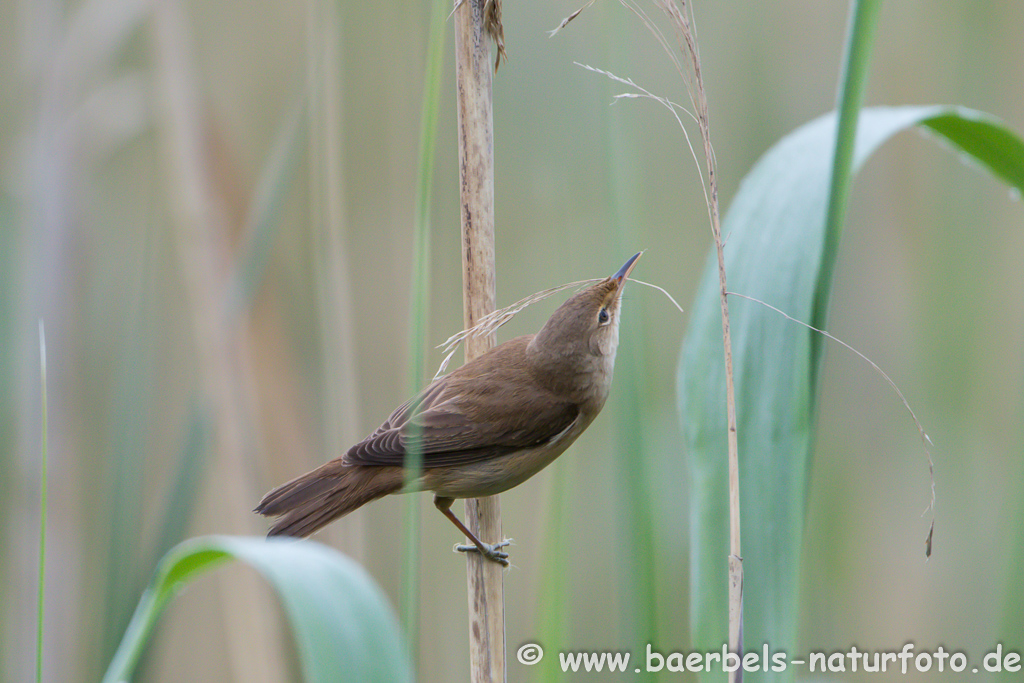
(530, 653)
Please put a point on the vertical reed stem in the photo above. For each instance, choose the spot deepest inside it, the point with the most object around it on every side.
(679, 14)
(476, 176)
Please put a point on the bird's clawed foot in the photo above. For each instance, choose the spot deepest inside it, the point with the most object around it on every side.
(491, 551)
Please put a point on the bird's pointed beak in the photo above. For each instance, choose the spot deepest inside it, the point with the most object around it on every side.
(620, 277)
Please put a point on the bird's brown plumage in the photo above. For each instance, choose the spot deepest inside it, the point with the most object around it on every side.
(481, 429)
(469, 415)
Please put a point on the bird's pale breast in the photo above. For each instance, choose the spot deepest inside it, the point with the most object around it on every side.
(490, 477)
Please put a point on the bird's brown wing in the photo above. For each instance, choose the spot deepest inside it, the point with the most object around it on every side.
(458, 421)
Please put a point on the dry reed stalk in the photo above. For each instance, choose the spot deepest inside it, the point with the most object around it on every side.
(681, 20)
(476, 178)
(680, 17)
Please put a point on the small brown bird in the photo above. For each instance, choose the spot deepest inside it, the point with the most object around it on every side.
(482, 429)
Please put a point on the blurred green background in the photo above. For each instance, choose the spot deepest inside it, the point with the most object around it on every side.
(210, 206)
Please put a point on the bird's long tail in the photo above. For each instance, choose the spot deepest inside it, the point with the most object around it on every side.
(317, 498)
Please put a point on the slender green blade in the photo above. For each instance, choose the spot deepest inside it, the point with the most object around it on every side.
(420, 298)
(122, 523)
(263, 219)
(184, 489)
(853, 83)
(778, 253)
(42, 507)
(1011, 622)
(825, 211)
(638, 562)
(9, 273)
(552, 624)
(342, 625)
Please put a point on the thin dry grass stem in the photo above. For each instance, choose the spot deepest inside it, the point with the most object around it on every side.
(679, 15)
(681, 22)
(490, 323)
(565, 22)
(662, 290)
(684, 74)
(925, 439)
(660, 37)
(668, 104)
(636, 9)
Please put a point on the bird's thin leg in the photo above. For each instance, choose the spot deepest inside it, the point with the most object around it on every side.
(491, 552)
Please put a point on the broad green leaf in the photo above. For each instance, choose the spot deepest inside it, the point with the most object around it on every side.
(777, 253)
(342, 625)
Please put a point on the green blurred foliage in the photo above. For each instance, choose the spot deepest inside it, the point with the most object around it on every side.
(928, 284)
(784, 251)
(340, 619)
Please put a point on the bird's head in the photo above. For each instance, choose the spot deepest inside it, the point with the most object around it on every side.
(581, 337)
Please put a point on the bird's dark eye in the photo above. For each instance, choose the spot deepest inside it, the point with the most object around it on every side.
(602, 317)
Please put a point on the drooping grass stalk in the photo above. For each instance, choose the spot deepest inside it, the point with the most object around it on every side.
(44, 469)
(476, 176)
(420, 298)
(680, 18)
